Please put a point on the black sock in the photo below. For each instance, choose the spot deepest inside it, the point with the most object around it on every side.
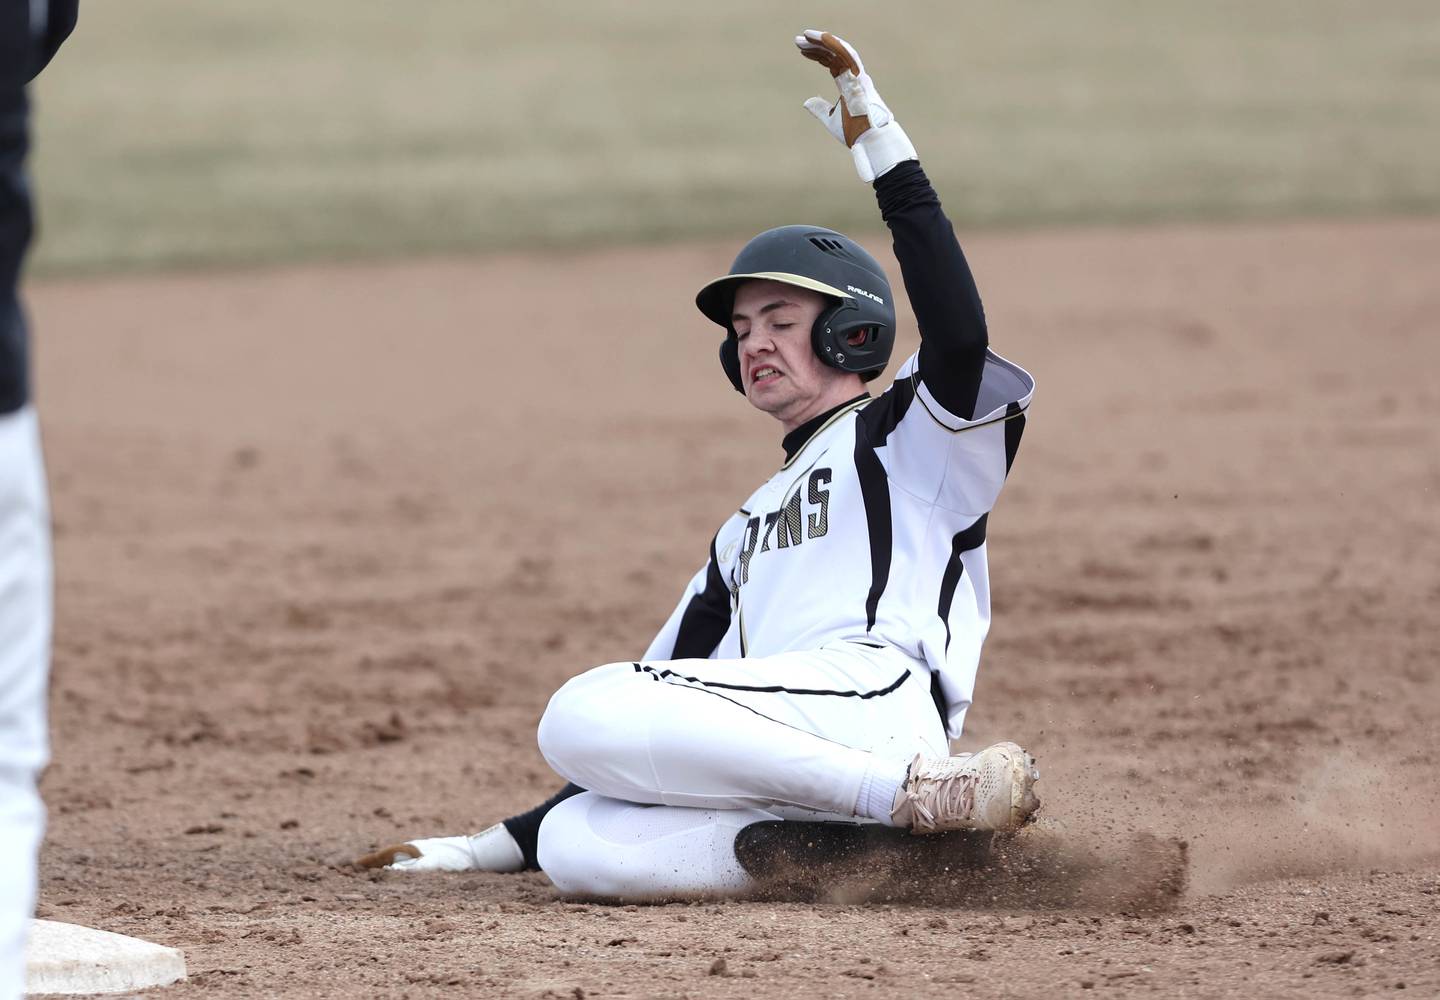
(525, 828)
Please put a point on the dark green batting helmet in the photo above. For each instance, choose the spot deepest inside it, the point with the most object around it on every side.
(861, 309)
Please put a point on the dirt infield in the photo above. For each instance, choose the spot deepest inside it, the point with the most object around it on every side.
(327, 538)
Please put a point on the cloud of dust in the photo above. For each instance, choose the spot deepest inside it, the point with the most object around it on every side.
(1345, 813)
(1044, 867)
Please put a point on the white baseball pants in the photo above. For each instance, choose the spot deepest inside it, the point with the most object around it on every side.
(24, 669)
(679, 756)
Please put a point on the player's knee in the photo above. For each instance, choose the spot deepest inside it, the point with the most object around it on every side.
(598, 846)
(577, 861)
(585, 717)
(554, 851)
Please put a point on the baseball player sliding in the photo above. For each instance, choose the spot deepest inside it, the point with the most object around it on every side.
(819, 660)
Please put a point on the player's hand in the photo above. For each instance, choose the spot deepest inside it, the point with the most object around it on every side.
(490, 850)
(859, 119)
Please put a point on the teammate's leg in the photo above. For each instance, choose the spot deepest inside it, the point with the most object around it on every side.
(24, 664)
(591, 845)
(831, 730)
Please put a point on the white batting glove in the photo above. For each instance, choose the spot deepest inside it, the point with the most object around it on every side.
(859, 118)
(490, 850)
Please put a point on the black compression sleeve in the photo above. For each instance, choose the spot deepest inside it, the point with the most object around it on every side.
(942, 291)
(525, 828)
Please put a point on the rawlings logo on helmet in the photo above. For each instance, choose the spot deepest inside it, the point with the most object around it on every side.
(868, 295)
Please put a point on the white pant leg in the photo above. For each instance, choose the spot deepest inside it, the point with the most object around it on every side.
(24, 668)
(797, 729)
(591, 845)
(22, 822)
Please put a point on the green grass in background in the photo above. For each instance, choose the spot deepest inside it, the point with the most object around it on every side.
(175, 133)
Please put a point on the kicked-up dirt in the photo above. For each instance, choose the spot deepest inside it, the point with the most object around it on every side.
(327, 538)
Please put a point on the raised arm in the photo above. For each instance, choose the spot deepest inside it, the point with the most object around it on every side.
(937, 277)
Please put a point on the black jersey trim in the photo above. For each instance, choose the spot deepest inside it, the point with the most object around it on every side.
(938, 697)
(661, 675)
(874, 426)
(1014, 429)
(740, 619)
(886, 411)
(964, 541)
(794, 442)
(875, 493)
(843, 410)
(707, 617)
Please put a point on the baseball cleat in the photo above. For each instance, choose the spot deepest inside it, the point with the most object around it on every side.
(992, 789)
(490, 850)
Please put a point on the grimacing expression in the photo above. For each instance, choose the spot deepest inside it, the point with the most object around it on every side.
(778, 366)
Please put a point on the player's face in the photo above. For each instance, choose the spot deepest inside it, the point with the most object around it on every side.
(778, 368)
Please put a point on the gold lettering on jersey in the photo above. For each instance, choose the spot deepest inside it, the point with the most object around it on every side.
(752, 537)
(791, 524)
(819, 521)
(770, 520)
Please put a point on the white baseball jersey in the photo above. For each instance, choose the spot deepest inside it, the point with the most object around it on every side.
(872, 531)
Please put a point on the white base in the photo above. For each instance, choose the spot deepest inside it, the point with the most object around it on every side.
(68, 958)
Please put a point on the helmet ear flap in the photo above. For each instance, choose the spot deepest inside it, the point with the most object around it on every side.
(730, 361)
(819, 331)
(832, 334)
